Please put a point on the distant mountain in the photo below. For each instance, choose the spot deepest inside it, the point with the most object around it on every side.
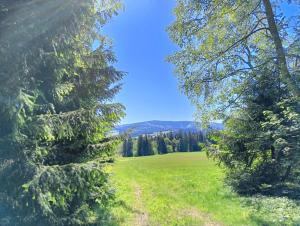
(152, 127)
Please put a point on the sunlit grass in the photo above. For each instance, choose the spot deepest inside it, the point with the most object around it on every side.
(180, 189)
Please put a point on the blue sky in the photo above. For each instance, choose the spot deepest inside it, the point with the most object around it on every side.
(141, 43)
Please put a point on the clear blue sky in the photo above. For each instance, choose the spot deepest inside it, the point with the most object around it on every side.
(141, 43)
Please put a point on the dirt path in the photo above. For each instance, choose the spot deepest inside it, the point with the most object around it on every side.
(141, 217)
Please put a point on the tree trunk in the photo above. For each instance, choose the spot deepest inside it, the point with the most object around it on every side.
(287, 173)
(283, 69)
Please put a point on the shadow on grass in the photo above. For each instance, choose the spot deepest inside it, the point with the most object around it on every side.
(110, 220)
(289, 190)
(260, 221)
(277, 205)
(127, 207)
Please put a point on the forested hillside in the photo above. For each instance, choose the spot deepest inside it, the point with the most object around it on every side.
(153, 127)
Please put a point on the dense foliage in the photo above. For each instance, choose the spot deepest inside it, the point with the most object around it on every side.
(55, 88)
(144, 146)
(260, 146)
(239, 61)
(223, 44)
(161, 145)
(127, 148)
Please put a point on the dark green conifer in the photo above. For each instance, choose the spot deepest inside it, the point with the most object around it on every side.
(161, 145)
(55, 114)
(129, 147)
(140, 146)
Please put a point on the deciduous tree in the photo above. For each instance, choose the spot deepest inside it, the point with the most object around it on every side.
(223, 44)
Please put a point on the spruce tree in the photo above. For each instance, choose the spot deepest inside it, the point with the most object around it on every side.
(200, 137)
(260, 146)
(124, 148)
(190, 141)
(55, 115)
(129, 147)
(147, 146)
(183, 142)
(140, 145)
(193, 142)
(180, 144)
(161, 145)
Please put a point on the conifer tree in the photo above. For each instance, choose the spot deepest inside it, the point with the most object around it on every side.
(144, 146)
(124, 148)
(54, 114)
(183, 142)
(147, 146)
(190, 141)
(140, 146)
(171, 135)
(261, 144)
(129, 147)
(181, 145)
(200, 137)
(161, 145)
(193, 140)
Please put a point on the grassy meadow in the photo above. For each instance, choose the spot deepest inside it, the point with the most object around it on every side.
(188, 189)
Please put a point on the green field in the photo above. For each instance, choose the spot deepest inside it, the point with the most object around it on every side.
(188, 189)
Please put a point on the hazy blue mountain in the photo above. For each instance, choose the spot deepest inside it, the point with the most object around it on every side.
(151, 127)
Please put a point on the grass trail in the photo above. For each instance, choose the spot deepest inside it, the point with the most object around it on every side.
(177, 189)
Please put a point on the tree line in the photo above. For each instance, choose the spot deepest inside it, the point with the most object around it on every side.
(162, 143)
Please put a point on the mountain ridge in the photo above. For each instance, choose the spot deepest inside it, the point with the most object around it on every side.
(156, 126)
